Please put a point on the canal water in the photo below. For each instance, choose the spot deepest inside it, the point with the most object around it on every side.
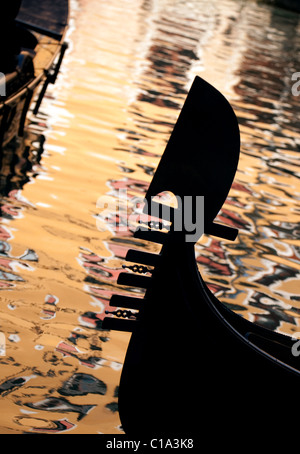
(102, 129)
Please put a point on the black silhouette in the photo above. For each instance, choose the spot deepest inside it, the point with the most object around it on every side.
(192, 364)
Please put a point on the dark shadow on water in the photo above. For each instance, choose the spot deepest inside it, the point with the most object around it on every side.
(18, 159)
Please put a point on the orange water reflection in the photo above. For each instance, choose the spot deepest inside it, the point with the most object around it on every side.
(104, 127)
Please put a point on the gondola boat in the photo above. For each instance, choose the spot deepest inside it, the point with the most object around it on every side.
(192, 365)
(35, 46)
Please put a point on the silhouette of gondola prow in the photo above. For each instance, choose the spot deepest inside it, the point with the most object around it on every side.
(189, 356)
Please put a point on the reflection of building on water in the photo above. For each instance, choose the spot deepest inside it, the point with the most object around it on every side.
(18, 160)
(267, 66)
(247, 51)
(139, 88)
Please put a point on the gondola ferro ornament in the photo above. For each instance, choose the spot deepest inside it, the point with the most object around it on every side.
(191, 363)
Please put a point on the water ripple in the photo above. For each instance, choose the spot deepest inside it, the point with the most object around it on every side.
(102, 129)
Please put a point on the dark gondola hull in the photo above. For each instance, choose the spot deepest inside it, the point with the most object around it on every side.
(13, 112)
(191, 367)
(48, 17)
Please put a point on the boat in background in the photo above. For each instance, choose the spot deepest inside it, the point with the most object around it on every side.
(35, 35)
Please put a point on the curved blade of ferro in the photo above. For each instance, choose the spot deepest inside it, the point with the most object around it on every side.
(202, 154)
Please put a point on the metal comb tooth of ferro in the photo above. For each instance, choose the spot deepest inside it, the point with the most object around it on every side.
(133, 280)
(122, 323)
